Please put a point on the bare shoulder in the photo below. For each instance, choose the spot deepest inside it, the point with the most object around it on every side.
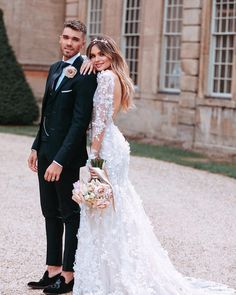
(117, 93)
(117, 86)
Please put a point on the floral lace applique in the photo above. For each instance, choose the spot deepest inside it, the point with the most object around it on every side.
(103, 103)
(118, 253)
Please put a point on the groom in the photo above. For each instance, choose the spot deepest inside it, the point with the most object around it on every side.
(58, 151)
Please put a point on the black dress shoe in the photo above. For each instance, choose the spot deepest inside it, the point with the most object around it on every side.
(44, 282)
(59, 287)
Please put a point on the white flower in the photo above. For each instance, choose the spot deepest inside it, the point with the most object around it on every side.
(70, 71)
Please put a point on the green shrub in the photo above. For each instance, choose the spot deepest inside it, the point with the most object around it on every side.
(17, 102)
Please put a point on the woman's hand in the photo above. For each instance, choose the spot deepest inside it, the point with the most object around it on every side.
(92, 173)
(87, 67)
(92, 156)
(77, 197)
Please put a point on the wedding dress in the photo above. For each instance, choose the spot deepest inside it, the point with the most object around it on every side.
(118, 252)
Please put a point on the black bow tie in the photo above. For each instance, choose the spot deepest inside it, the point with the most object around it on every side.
(58, 72)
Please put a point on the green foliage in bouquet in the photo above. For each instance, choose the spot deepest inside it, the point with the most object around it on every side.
(97, 163)
(17, 102)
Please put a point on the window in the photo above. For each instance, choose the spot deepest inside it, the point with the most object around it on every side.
(172, 30)
(131, 28)
(222, 47)
(94, 18)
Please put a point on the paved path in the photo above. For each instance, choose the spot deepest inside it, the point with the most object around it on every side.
(193, 213)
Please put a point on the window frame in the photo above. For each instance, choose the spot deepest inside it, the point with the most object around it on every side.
(124, 42)
(163, 63)
(91, 34)
(212, 55)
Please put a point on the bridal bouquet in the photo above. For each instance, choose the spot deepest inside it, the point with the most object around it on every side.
(96, 192)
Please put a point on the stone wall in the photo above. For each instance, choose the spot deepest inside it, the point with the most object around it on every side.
(215, 124)
(156, 113)
(190, 119)
(33, 29)
(190, 50)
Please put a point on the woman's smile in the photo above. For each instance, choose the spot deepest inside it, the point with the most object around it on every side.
(100, 60)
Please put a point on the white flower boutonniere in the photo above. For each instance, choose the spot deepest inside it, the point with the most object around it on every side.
(70, 71)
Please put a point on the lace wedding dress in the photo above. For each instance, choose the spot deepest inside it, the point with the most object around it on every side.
(118, 253)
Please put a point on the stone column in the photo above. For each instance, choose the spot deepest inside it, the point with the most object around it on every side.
(190, 51)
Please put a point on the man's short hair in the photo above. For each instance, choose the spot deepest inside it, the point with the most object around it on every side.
(76, 25)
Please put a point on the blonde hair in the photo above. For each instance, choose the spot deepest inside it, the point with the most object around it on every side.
(118, 65)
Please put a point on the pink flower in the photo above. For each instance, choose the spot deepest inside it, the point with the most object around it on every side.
(70, 71)
(101, 190)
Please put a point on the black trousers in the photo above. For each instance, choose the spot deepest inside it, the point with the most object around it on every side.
(60, 213)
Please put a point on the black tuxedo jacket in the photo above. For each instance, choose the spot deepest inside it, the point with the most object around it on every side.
(70, 117)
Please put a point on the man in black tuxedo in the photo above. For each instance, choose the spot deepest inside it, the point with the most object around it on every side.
(58, 151)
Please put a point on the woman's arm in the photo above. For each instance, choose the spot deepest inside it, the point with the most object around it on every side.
(103, 111)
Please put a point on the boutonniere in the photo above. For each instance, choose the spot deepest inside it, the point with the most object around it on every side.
(70, 71)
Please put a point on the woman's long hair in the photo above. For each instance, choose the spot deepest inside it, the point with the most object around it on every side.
(118, 65)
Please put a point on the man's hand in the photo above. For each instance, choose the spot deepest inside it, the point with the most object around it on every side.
(32, 161)
(53, 172)
(87, 67)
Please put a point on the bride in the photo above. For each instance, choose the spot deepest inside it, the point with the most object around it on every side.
(118, 253)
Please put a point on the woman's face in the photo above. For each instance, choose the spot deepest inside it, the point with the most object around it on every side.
(100, 61)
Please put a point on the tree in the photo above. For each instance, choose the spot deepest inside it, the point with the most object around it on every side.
(17, 102)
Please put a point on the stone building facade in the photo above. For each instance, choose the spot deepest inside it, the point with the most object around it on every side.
(182, 58)
(33, 28)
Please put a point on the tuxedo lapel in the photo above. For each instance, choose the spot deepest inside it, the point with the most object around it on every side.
(77, 64)
(53, 76)
(49, 83)
(65, 79)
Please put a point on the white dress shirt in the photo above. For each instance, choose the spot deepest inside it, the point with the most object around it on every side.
(69, 61)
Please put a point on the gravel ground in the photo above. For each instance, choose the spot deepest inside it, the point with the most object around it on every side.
(193, 214)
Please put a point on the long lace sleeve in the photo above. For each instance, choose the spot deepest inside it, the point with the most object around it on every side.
(103, 106)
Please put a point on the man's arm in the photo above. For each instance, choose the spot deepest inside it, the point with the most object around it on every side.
(36, 142)
(81, 118)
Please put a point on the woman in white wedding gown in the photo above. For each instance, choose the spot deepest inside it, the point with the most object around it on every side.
(118, 253)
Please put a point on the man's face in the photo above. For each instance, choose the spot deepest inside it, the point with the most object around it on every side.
(71, 42)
